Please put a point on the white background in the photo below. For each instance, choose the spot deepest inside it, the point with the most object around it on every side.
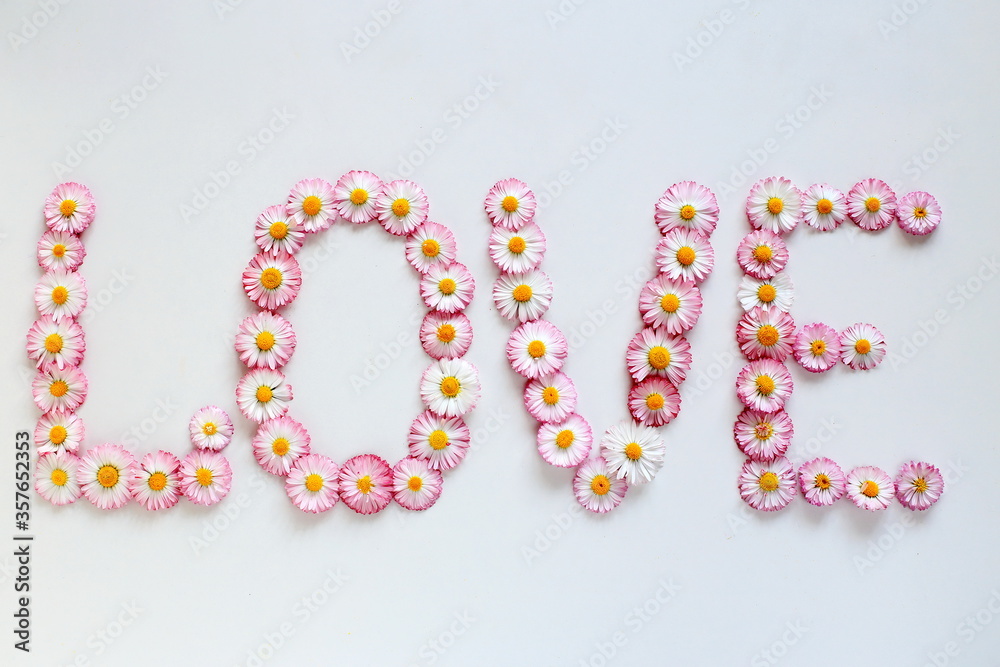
(534, 583)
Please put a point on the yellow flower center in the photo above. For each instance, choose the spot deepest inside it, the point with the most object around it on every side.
(359, 196)
(687, 212)
(817, 347)
(58, 434)
(447, 286)
(767, 293)
(314, 482)
(401, 207)
(655, 401)
(438, 440)
(204, 476)
(415, 484)
(157, 481)
(600, 485)
(775, 205)
(365, 485)
(107, 476)
(768, 482)
(763, 253)
(522, 293)
(516, 245)
(920, 212)
(633, 451)
(430, 248)
(824, 206)
(280, 446)
(920, 484)
(67, 207)
(270, 278)
(446, 333)
(686, 255)
(670, 303)
(59, 295)
(59, 477)
(863, 346)
(450, 386)
(209, 428)
(265, 340)
(510, 203)
(58, 388)
(873, 204)
(536, 349)
(278, 230)
(565, 438)
(264, 393)
(550, 395)
(869, 489)
(763, 430)
(311, 205)
(765, 385)
(59, 250)
(53, 343)
(767, 335)
(821, 482)
(659, 357)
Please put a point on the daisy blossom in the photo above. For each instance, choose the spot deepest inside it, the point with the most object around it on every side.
(871, 204)
(919, 485)
(550, 398)
(674, 305)
(366, 484)
(450, 387)
(59, 343)
(767, 485)
(105, 473)
(567, 443)
(634, 452)
(276, 231)
(862, 346)
(57, 477)
(523, 296)
(870, 488)
(211, 428)
(597, 488)
(686, 255)
(313, 483)
(60, 251)
(59, 431)
(764, 385)
(205, 477)
(444, 335)
(156, 484)
(774, 204)
(59, 388)
(263, 394)
(401, 207)
(762, 254)
(415, 484)
(355, 195)
(822, 482)
(775, 292)
(310, 204)
(430, 244)
(918, 213)
(824, 206)
(817, 347)
(536, 348)
(69, 208)
(763, 436)
(279, 443)
(442, 441)
(654, 352)
(510, 203)
(765, 333)
(265, 340)
(447, 287)
(61, 294)
(654, 402)
(272, 281)
(687, 205)
(517, 251)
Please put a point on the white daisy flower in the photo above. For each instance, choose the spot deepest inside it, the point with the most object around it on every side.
(870, 488)
(205, 477)
(653, 352)
(211, 428)
(777, 292)
(276, 231)
(550, 398)
(674, 305)
(442, 441)
(263, 394)
(156, 483)
(61, 294)
(634, 452)
(59, 343)
(597, 488)
(56, 477)
(355, 195)
(683, 254)
(265, 340)
(774, 204)
(279, 443)
(447, 287)
(862, 346)
(517, 251)
(310, 204)
(567, 443)
(523, 297)
(430, 244)
(60, 251)
(450, 387)
(59, 388)
(510, 203)
(687, 205)
(536, 348)
(69, 208)
(401, 207)
(825, 207)
(105, 473)
(59, 431)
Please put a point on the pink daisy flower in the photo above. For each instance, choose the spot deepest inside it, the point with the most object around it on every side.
(817, 347)
(312, 483)
(510, 203)
(60, 251)
(450, 387)
(567, 443)
(272, 281)
(550, 398)
(355, 195)
(276, 231)
(536, 348)
(763, 436)
(673, 305)
(775, 293)
(401, 207)
(774, 204)
(57, 388)
(870, 488)
(279, 443)
(156, 482)
(634, 452)
(762, 254)
(265, 340)
(310, 204)
(205, 477)
(447, 287)
(871, 204)
(919, 485)
(918, 213)
(415, 484)
(683, 254)
(523, 296)
(822, 482)
(765, 334)
(445, 336)
(687, 205)
(263, 394)
(654, 402)
(764, 385)
(104, 475)
(597, 488)
(61, 295)
(441, 441)
(211, 428)
(366, 484)
(824, 206)
(862, 346)
(59, 431)
(517, 251)
(57, 477)
(767, 486)
(69, 208)
(430, 244)
(654, 352)
(59, 343)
